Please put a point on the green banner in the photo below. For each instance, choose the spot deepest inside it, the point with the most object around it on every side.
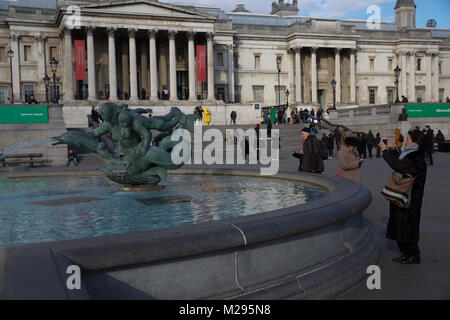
(23, 114)
(428, 110)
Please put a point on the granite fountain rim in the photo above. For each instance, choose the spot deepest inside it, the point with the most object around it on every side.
(344, 200)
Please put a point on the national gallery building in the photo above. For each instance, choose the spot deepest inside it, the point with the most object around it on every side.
(158, 54)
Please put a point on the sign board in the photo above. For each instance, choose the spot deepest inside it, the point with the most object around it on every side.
(23, 114)
(201, 63)
(80, 59)
(428, 110)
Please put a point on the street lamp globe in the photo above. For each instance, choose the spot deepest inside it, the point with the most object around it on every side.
(397, 72)
(333, 84)
(47, 80)
(54, 64)
(278, 61)
(10, 54)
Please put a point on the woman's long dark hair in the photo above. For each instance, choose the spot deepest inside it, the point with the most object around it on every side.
(418, 137)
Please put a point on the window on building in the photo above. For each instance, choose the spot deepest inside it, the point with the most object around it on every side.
(257, 62)
(440, 67)
(372, 95)
(53, 53)
(3, 54)
(419, 64)
(372, 65)
(390, 95)
(27, 53)
(220, 59)
(419, 95)
(54, 92)
(237, 94)
(220, 93)
(258, 94)
(29, 91)
(279, 95)
(390, 64)
(4, 95)
(236, 61)
(441, 95)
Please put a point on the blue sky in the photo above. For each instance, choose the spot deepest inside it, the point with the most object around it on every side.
(344, 9)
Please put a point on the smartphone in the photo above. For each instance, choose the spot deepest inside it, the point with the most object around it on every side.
(385, 141)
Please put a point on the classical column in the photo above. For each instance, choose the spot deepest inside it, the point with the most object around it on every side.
(313, 75)
(210, 58)
(125, 69)
(112, 65)
(172, 66)
(15, 85)
(298, 75)
(41, 58)
(403, 79)
(291, 75)
(337, 71)
(436, 76)
(153, 65)
(133, 65)
(429, 82)
(68, 65)
(412, 76)
(91, 64)
(192, 73)
(352, 76)
(144, 68)
(230, 74)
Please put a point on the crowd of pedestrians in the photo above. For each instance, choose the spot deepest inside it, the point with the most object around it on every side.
(289, 115)
(408, 156)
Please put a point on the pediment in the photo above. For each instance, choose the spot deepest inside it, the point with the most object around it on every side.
(151, 8)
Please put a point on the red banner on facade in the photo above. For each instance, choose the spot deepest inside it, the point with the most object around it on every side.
(201, 63)
(80, 59)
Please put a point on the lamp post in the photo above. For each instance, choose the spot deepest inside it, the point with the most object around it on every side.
(279, 71)
(333, 85)
(397, 75)
(287, 98)
(47, 83)
(54, 65)
(11, 56)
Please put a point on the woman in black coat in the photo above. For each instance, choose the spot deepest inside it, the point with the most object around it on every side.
(404, 224)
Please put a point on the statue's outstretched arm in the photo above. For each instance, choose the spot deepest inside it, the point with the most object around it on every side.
(143, 111)
(102, 129)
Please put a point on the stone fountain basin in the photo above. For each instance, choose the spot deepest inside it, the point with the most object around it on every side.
(312, 251)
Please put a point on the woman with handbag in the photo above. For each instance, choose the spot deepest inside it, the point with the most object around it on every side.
(404, 222)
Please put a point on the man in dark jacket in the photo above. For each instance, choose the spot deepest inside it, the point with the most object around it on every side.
(429, 144)
(311, 153)
(370, 143)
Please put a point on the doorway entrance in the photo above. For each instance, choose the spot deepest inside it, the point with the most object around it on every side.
(321, 98)
(182, 85)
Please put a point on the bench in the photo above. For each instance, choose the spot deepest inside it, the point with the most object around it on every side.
(29, 158)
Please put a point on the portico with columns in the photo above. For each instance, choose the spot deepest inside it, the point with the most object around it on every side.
(135, 58)
(313, 64)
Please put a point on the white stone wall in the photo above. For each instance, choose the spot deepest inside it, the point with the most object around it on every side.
(247, 77)
(76, 116)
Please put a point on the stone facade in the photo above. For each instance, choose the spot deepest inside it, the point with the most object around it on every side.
(135, 45)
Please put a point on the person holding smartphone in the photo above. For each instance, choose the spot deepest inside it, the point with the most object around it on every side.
(349, 163)
(404, 223)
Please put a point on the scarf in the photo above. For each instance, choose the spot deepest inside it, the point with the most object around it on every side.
(409, 149)
(406, 150)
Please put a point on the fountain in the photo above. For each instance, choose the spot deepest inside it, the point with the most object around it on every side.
(132, 138)
(200, 234)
